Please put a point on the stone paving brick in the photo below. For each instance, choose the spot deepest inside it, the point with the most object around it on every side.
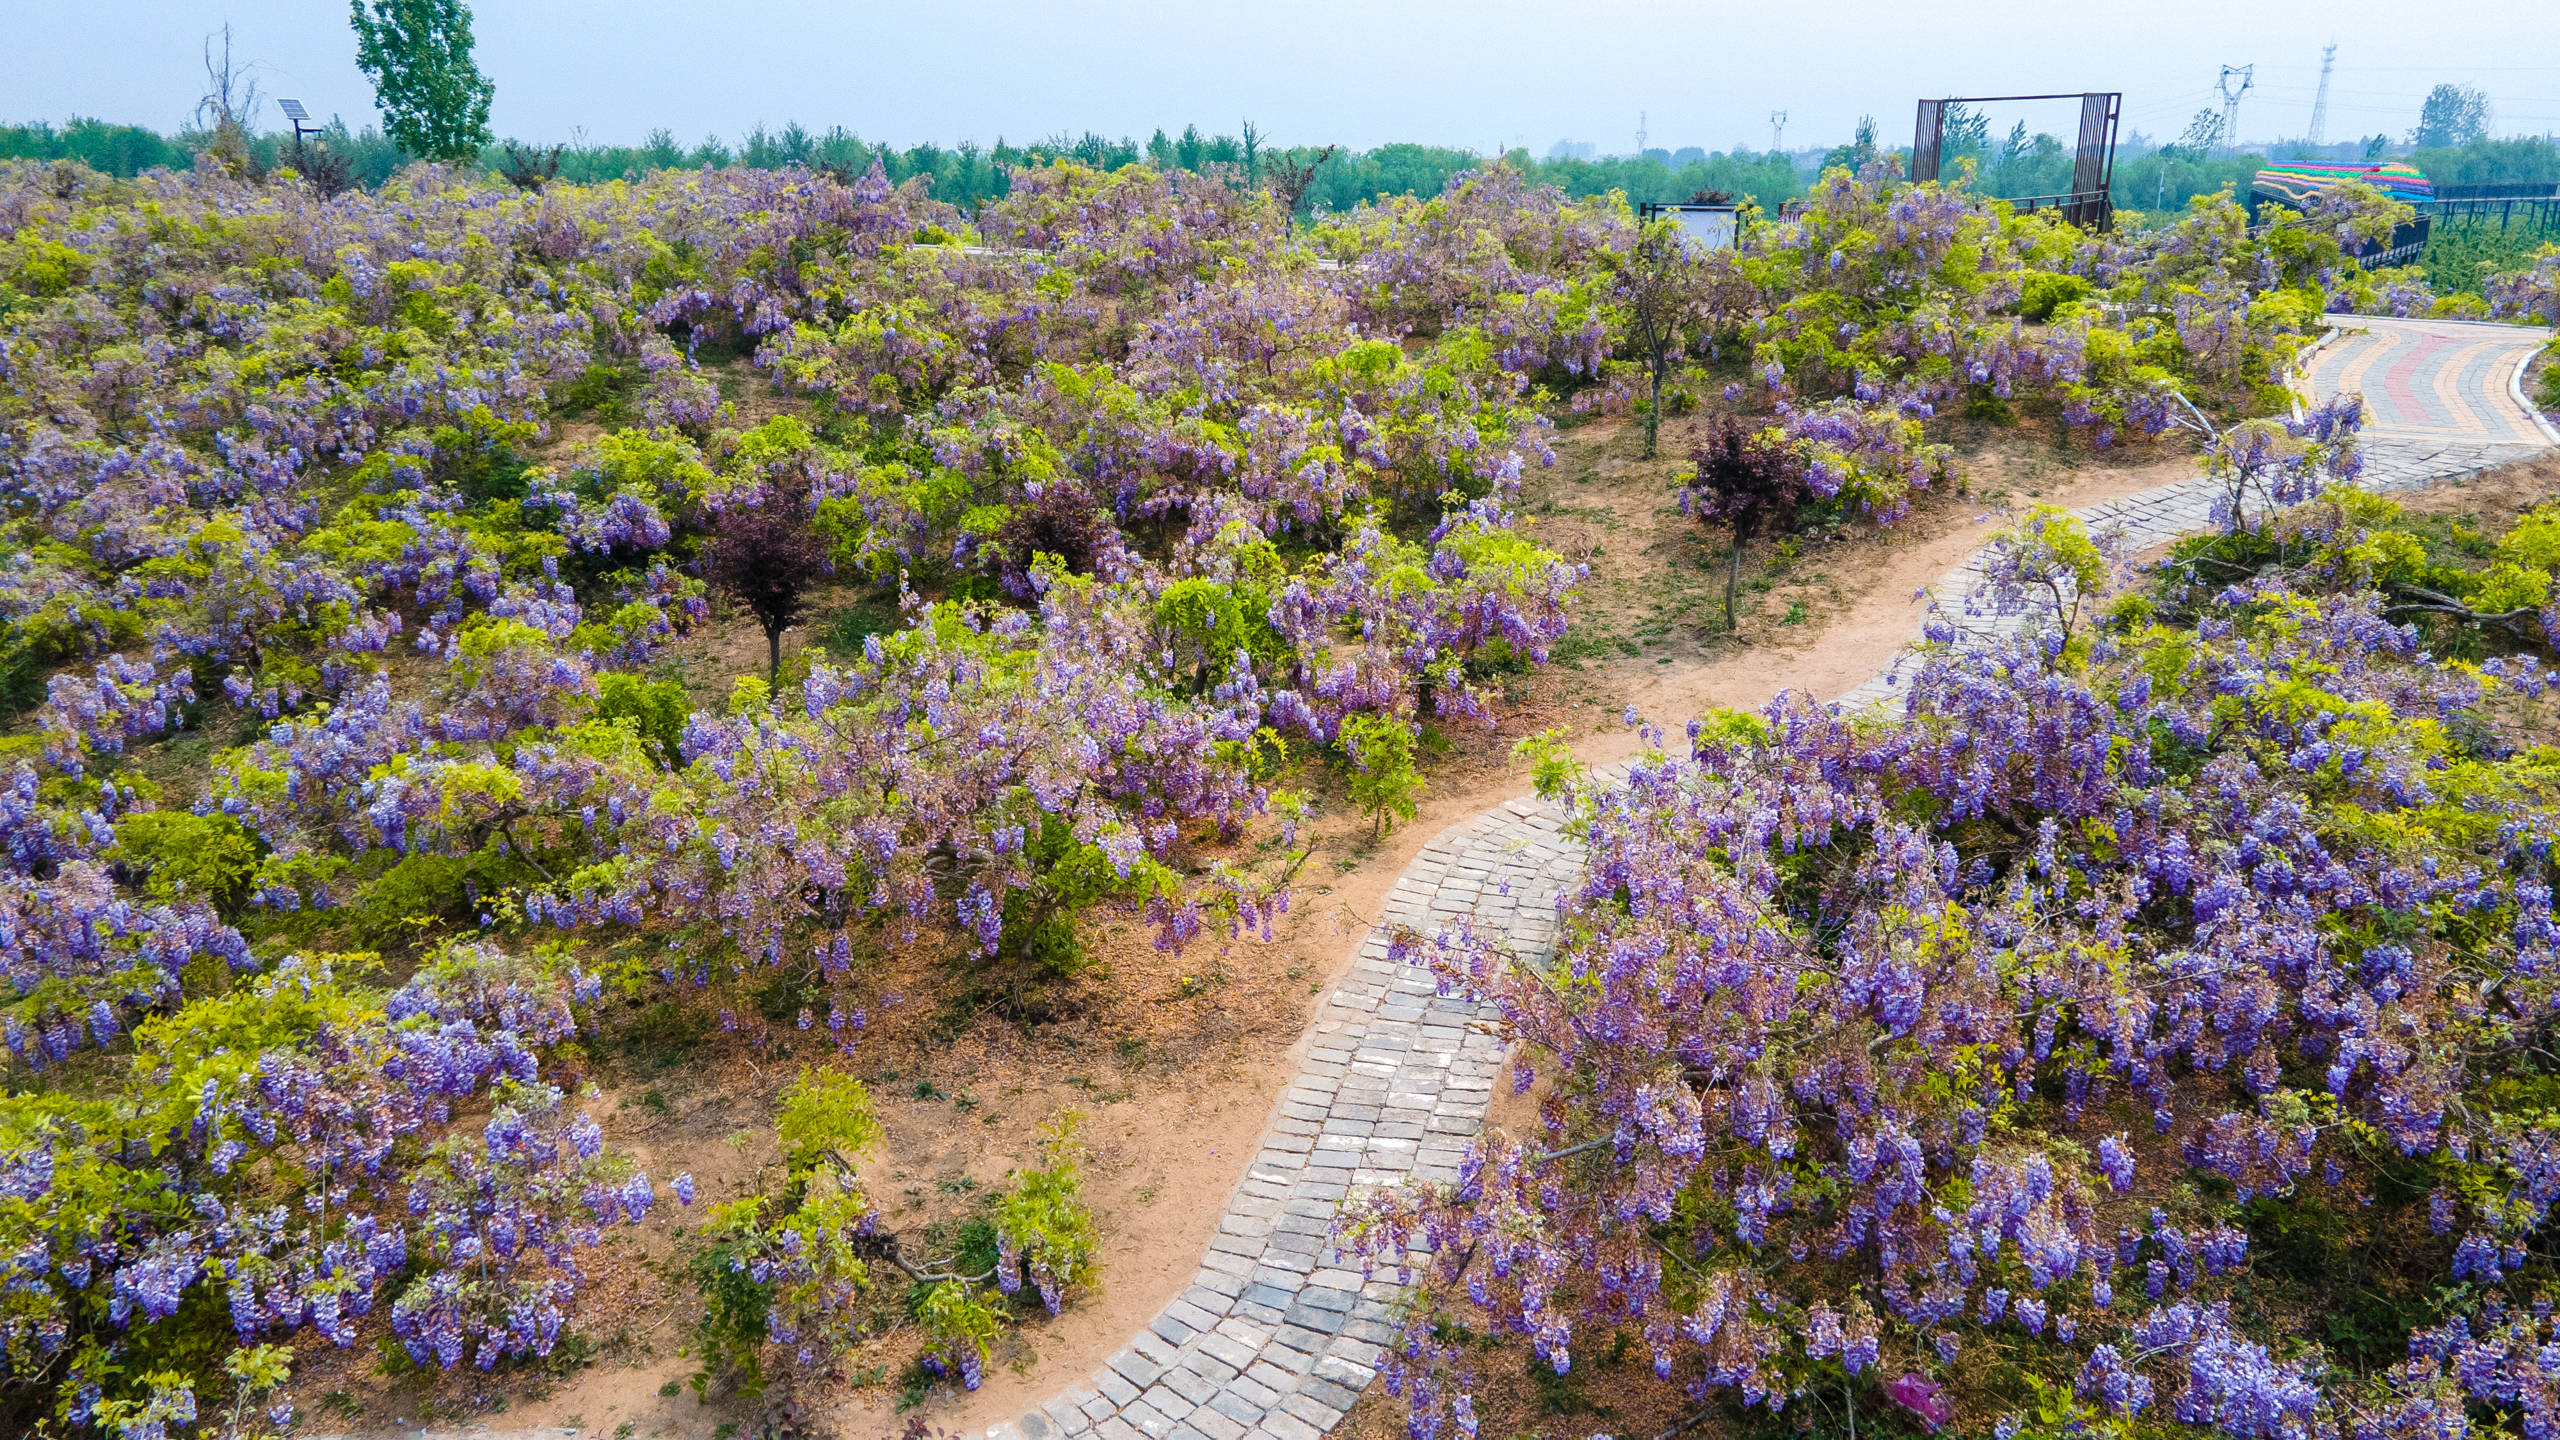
(1216, 1426)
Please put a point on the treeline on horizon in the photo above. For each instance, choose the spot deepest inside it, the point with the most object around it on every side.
(968, 175)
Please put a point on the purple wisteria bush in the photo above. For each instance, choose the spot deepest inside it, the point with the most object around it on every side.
(351, 545)
(400, 500)
(2125, 1032)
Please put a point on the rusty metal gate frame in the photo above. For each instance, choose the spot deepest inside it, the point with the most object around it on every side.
(2090, 200)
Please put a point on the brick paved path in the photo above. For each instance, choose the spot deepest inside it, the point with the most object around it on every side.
(2449, 411)
(2436, 390)
(1277, 1335)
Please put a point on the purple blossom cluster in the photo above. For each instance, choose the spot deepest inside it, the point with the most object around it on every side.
(468, 1230)
(2532, 296)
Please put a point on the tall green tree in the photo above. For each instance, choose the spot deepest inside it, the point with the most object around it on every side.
(433, 98)
(2453, 115)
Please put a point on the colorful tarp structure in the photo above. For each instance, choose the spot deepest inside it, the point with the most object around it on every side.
(2295, 184)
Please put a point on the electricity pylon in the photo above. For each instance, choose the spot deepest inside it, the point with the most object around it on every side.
(2231, 103)
(2320, 100)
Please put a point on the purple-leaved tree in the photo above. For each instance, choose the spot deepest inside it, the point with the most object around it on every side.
(766, 555)
(1748, 479)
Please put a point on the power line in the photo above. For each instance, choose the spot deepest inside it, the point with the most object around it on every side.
(2441, 69)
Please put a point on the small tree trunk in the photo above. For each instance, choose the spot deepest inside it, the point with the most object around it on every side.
(1732, 573)
(773, 649)
(1653, 408)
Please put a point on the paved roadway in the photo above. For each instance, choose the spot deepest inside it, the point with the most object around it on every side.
(2441, 396)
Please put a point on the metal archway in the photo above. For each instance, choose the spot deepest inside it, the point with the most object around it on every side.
(2089, 202)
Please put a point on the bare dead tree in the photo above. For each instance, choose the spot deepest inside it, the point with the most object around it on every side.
(230, 96)
(230, 91)
(533, 169)
(1290, 179)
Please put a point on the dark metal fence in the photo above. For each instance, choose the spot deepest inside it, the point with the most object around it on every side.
(2539, 214)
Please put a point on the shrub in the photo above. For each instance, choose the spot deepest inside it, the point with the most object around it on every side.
(1384, 783)
(175, 854)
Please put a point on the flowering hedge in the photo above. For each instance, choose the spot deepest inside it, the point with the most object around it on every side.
(2048, 1047)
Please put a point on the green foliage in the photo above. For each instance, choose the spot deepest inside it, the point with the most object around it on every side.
(2043, 292)
(1384, 783)
(1043, 1215)
(1068, 877)
(955, 1319)
(21, 670)
(749, 695)
(2462, 254)
(656, 709)
(665, 466)
(2452, 115)
(1720, 727)
(2049, 549)
(841, 633)
(795, 1253)
(433, 98)
(1209, 621)
(733, 1328)
(213, 857)
(254, 1370)
(2515, 160)
(1552, 767)
(108, 149)
(827, 1117)
(2366, 1298)
(483, 457)
(421, 893)
(660, 1036)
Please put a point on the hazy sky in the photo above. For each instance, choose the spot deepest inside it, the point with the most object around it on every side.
(1493, 73)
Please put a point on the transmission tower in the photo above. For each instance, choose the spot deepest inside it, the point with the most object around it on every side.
(1777, 130)
(1639, 134)
(2319, 135)
(2231, 103)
